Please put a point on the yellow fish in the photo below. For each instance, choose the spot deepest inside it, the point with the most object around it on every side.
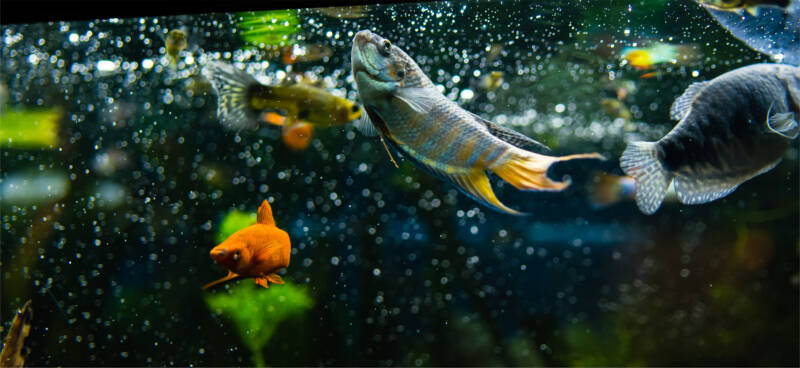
(242, 100)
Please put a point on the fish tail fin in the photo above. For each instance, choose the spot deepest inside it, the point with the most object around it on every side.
(528, 171)
(231, 85)
(476, 185)
(640, 161)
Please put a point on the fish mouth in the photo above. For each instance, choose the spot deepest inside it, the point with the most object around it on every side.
(217, 254)
(364, 43)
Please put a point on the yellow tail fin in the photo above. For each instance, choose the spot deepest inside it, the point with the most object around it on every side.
(528, 171)
(476, 184)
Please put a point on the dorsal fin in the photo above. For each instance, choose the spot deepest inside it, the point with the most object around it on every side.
(518, 139)
(265, 214)
(680, 108)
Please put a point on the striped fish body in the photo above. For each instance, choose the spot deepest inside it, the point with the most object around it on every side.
(447, 138)
(405, 109)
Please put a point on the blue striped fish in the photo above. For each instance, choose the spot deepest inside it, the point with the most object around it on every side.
(405, 109)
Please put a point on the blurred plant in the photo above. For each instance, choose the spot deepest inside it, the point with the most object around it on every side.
(233, 222)
(29, 128)
(257, 312)
(269, 29)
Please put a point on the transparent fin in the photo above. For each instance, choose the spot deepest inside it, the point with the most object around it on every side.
(693, 189)
(421, 100)
(784, 124)
(640, 161)
(364, 125)
(231, 85)
(265, 214)
(680, 108)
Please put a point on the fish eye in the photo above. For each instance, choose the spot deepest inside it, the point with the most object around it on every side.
(401, 74)
(355, 108)
(387, 46)
(236, 256)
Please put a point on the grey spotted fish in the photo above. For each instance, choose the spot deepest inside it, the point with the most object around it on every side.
(732, 128)
(405, 109)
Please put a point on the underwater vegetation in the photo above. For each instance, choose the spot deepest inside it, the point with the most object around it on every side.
(30, 128)
(268, 29)
(258, 313)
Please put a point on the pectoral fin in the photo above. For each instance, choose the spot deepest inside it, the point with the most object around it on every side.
(784, 124)
(364, 125)
(229, 277)
(265, 280)
(420, 100)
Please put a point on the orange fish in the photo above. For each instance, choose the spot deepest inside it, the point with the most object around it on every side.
(296, 136)
(257, 251)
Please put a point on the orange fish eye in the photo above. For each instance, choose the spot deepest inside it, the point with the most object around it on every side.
(236, 256)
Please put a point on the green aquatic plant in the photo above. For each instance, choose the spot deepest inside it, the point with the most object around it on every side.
(269, 28)
(29, 128)
(257, 312)
(233, 222)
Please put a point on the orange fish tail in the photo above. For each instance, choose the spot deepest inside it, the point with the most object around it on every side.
(528, 171)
